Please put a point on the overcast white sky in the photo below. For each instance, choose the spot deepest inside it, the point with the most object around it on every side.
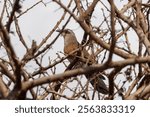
(39, 21)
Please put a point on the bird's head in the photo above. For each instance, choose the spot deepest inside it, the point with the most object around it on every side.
(66, 33)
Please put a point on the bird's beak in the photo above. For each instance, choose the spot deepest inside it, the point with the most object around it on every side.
(59, 30)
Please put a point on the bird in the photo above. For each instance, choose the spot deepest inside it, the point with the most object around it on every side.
(144, 82)
(71, 49)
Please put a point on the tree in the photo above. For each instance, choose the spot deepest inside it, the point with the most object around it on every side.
(118, 37)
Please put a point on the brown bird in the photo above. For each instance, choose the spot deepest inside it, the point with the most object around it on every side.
(71, 48)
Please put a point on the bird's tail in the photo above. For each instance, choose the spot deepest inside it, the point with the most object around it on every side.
(95, 79)
(98, 83)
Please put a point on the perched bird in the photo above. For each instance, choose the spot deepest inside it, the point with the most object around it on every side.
(71, 48)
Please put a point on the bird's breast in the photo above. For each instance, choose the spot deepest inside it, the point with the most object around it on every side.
(70, 48)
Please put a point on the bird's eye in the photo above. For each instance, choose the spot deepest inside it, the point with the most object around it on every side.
(67, 32)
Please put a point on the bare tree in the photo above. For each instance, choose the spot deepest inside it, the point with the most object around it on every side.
(117, 37)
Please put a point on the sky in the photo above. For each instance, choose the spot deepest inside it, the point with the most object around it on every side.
(38, 22)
